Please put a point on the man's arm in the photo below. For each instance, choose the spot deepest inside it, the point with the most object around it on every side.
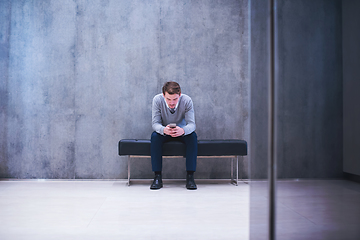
(189, 118)
(156, 117)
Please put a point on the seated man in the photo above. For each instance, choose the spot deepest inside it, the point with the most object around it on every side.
(170, 108)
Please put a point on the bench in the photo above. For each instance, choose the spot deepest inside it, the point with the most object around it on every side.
(206, 149)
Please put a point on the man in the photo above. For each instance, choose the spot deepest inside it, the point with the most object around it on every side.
(170, 108)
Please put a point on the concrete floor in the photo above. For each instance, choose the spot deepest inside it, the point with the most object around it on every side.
(112, 210)
(307, 209)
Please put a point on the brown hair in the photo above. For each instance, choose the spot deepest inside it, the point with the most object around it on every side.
(171, 88)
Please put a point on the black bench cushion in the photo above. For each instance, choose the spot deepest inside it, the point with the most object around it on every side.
(205, 148)
(222, 147)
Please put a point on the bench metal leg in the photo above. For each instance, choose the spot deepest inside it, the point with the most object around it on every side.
(237, 170)
(233, 181)
(128, 183)
(232, 170)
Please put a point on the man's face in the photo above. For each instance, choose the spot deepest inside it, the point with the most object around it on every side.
(171, 99)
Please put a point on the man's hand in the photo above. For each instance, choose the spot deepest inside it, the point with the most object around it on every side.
(174, 132)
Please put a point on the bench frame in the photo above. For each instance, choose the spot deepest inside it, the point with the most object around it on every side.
(233, 180)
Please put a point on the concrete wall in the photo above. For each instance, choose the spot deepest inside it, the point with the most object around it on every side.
(78, 76)
(4, 64)
(259, 68)
(308, 88)
(351, 73)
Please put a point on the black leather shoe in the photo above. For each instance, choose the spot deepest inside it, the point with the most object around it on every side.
(157, 183)
(190, 182)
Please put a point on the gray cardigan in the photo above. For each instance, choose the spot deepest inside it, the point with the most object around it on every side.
(184, 116)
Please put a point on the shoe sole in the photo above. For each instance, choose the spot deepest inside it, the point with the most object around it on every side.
(152, 188)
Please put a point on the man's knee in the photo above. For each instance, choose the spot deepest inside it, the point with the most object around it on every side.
(155, 136)
(192, 136)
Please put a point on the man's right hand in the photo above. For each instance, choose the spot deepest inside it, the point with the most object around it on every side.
(174, 132)
(168, 130)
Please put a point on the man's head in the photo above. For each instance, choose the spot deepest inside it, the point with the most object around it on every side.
(171, 88)
(172, 93)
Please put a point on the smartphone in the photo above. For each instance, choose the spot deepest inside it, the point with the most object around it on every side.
(172, 125)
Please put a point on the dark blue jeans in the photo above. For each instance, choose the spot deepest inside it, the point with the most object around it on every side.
(157, 141)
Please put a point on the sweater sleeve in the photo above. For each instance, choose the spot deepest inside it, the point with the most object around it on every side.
(189, 118)
(156, 116)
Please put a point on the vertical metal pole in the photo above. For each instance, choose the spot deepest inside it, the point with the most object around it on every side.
(271, 144)
(237, 170)
(232, 170)
(128, 183)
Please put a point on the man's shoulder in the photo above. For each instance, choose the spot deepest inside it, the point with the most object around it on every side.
(158, 97)
(185, 97)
